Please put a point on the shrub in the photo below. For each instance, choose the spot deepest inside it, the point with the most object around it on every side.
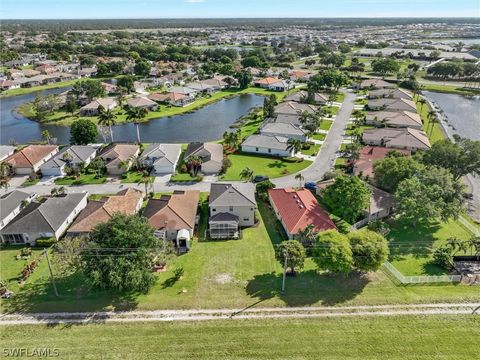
(442, 256)
(45, 242)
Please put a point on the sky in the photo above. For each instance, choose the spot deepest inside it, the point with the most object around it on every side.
(107, 9)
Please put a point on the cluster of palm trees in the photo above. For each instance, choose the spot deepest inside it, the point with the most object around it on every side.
(463, 246)
(107, 117)
(232, 139)
(194, 164)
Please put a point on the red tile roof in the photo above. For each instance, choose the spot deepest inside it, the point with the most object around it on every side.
(30, 155)
(370, 154)
(299, 208)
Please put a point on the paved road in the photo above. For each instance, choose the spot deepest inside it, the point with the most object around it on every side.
(246, 313)
(328, 153)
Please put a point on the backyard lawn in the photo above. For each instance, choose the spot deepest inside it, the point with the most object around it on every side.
(234, 274)
(412, 251)
(434, 132)
(382, 337)
(272, 167)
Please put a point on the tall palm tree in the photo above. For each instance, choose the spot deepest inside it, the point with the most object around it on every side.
(106, 118)
(246, 174)
(422, 102)
(146, 180)
(46, 136)
(432, 118)
(300, 178)
(474, 244)
(134, 115)
(294, 145)
(304, 117)
(194, 163)
(5, 171)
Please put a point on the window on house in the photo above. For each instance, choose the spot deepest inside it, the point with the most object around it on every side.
(256, 149)
(231, 208)
(269, 150)
(246, 219)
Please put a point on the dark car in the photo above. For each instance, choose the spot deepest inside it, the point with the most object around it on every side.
(260, 178)
(311, 186)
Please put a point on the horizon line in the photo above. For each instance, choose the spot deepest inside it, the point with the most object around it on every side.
(253, 17)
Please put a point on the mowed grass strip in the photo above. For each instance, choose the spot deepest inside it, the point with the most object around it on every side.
(390, 337)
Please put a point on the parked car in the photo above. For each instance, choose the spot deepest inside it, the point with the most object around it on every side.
(260, 178)
(311, 186)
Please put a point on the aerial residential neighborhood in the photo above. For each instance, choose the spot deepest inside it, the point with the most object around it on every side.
(215, 179)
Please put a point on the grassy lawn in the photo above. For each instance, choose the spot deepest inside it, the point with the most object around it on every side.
(29, 182)
(83, 179)
(133, 177)
(184, 177)
(320, 137)
(314, 149)
(272, 167)
(11, 268)
(351, 127)
(448, 89)
(235, 274)
(397, 337)
(412, 252)
(434, 132)
(326, 124)
(331, 109)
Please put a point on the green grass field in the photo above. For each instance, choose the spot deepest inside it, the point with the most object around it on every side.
(434, 131)
(326, 124)
(83, 179)
(412, 253)
(386, 338)
(272, 167)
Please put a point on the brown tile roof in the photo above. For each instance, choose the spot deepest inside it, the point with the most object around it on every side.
(173, 212)
(118, 152)
(98, 211)
(368, 155)
(30, 155)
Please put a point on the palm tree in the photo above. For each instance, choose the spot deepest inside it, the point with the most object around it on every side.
(306, 236)
(124, 165)
(5, 171)
(58, 191)
(134, 115)
(246, 174)
(146, 180)
(474, 244)
(46, 136)
(304, 117)
(422, 102)
(194, 163)
(98, 166)
(294, 146)
(432, 117)
(300, 178)
(106, 118)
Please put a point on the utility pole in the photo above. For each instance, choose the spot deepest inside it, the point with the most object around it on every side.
(284, 269)
(51, 274)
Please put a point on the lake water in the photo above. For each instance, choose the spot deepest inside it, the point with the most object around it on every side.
(205, 124)
(462, 113)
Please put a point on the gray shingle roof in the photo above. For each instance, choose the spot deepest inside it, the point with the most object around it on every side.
(235, 194)
(10, 201)
(79, 154)
(164, 153)
(44, 217)
(269, 142)
(282, 128)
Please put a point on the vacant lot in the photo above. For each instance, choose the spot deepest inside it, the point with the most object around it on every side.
(402, 337)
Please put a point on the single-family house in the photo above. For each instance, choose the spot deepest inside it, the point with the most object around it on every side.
(395, 93)
(215, 83)
(183, 90)
(174, 216)
(30, 158)
(288, 130)
(266, 82)
(300, 75)
(91, 109)
(388, 104)
(302, 95)
(163, 158)
(142, 102)
(375, 84)
(46, 219)
(74, 156)
(294, 108)
(287, 119)
(115, 155)
(126, 202)
(11, 204)
(298, 208)
(281, 85)
(8, 84)
(6, 151)
(46, 69)
(397, 119)
(172, 98)
(201, 87)
(231, 206)
(211, 155)
(407, 138)
(381, 205)
(367, 157)
(267, 145)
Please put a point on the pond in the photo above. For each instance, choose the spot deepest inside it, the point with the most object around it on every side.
(462, 113)
(205, 124)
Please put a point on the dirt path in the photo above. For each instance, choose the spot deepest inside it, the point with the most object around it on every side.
(248, 313)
